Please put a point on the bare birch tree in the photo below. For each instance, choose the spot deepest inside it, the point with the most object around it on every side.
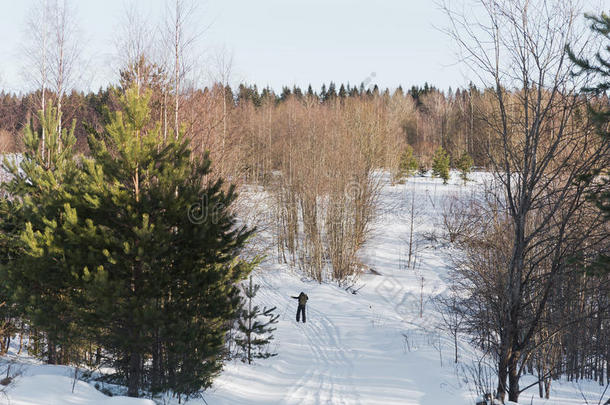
(134, 43)
(539, 149)
(65, 51)
(224, 66)
(36, 51)
(180, 40)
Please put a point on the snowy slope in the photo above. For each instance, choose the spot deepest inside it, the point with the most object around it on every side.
(369, 348)
(372, 347)
(37, 384)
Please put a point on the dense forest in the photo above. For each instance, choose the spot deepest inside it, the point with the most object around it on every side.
(423, 117)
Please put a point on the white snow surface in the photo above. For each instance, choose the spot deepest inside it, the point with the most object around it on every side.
(37, 384)
(355, 349)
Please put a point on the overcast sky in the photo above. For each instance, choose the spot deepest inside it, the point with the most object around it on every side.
(273, 42)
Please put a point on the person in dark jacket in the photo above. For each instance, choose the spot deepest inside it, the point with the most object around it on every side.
(302, 302)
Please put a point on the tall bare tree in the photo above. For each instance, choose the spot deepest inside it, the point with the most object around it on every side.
(539, 149)
(180, 39)
(224, 66)
(134, 43)
(36, 51)
(65, 51)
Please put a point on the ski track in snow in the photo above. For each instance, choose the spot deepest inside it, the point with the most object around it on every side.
(328, 354)
(353, 349)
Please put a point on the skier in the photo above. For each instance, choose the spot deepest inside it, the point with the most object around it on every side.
(301, 308)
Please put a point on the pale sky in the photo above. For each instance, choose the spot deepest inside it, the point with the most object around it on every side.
(273, 42)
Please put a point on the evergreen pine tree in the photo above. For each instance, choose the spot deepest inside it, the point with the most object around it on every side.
(323, 95)
(342, 92)
(331, 93)
(39, 272)
(9, 226)
(310, 92)
(407, 165)
(297, 92)
(285, 93)
(256, 334)
(160, 252)
(229, 96)
(256, 98)
(464, 165)
(440, 164)
(243, 94)
(267, 95)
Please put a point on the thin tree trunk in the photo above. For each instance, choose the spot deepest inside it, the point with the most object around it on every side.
(502, 374)
(411, 231)
(133, 379)
(513, 377)
(52, 355)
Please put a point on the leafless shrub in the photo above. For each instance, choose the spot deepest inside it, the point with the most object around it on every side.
(479, 377)
(325, 188)
(458, 218)
(452, 318)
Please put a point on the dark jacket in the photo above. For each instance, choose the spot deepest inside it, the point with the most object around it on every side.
(302, 298)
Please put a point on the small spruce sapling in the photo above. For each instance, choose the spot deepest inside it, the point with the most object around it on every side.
(464, 164)
(256, 334)
(407, 165)
(440, 165)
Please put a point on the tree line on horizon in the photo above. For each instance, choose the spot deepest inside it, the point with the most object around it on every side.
(426, 117)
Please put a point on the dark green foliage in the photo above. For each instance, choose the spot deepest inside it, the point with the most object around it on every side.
(417, 92)
(163, 279)
(285, 93)
(407, 165)
(330, 94)
(323, 94)
(38, 270)
(248, 93)
(375, 90)
(130, 249)
(256, 334)
(267, 95)
(8, 251)
(310, 92)
(298, 93)
(464, 165)
(440, 164)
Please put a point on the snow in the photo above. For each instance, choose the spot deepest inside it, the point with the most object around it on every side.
(37, 384)
(353, 350)
(57, 390)
(366, 348)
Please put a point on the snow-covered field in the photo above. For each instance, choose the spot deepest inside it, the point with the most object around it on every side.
(368, 348)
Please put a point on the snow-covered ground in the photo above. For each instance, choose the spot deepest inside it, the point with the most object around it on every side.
(368, 348)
